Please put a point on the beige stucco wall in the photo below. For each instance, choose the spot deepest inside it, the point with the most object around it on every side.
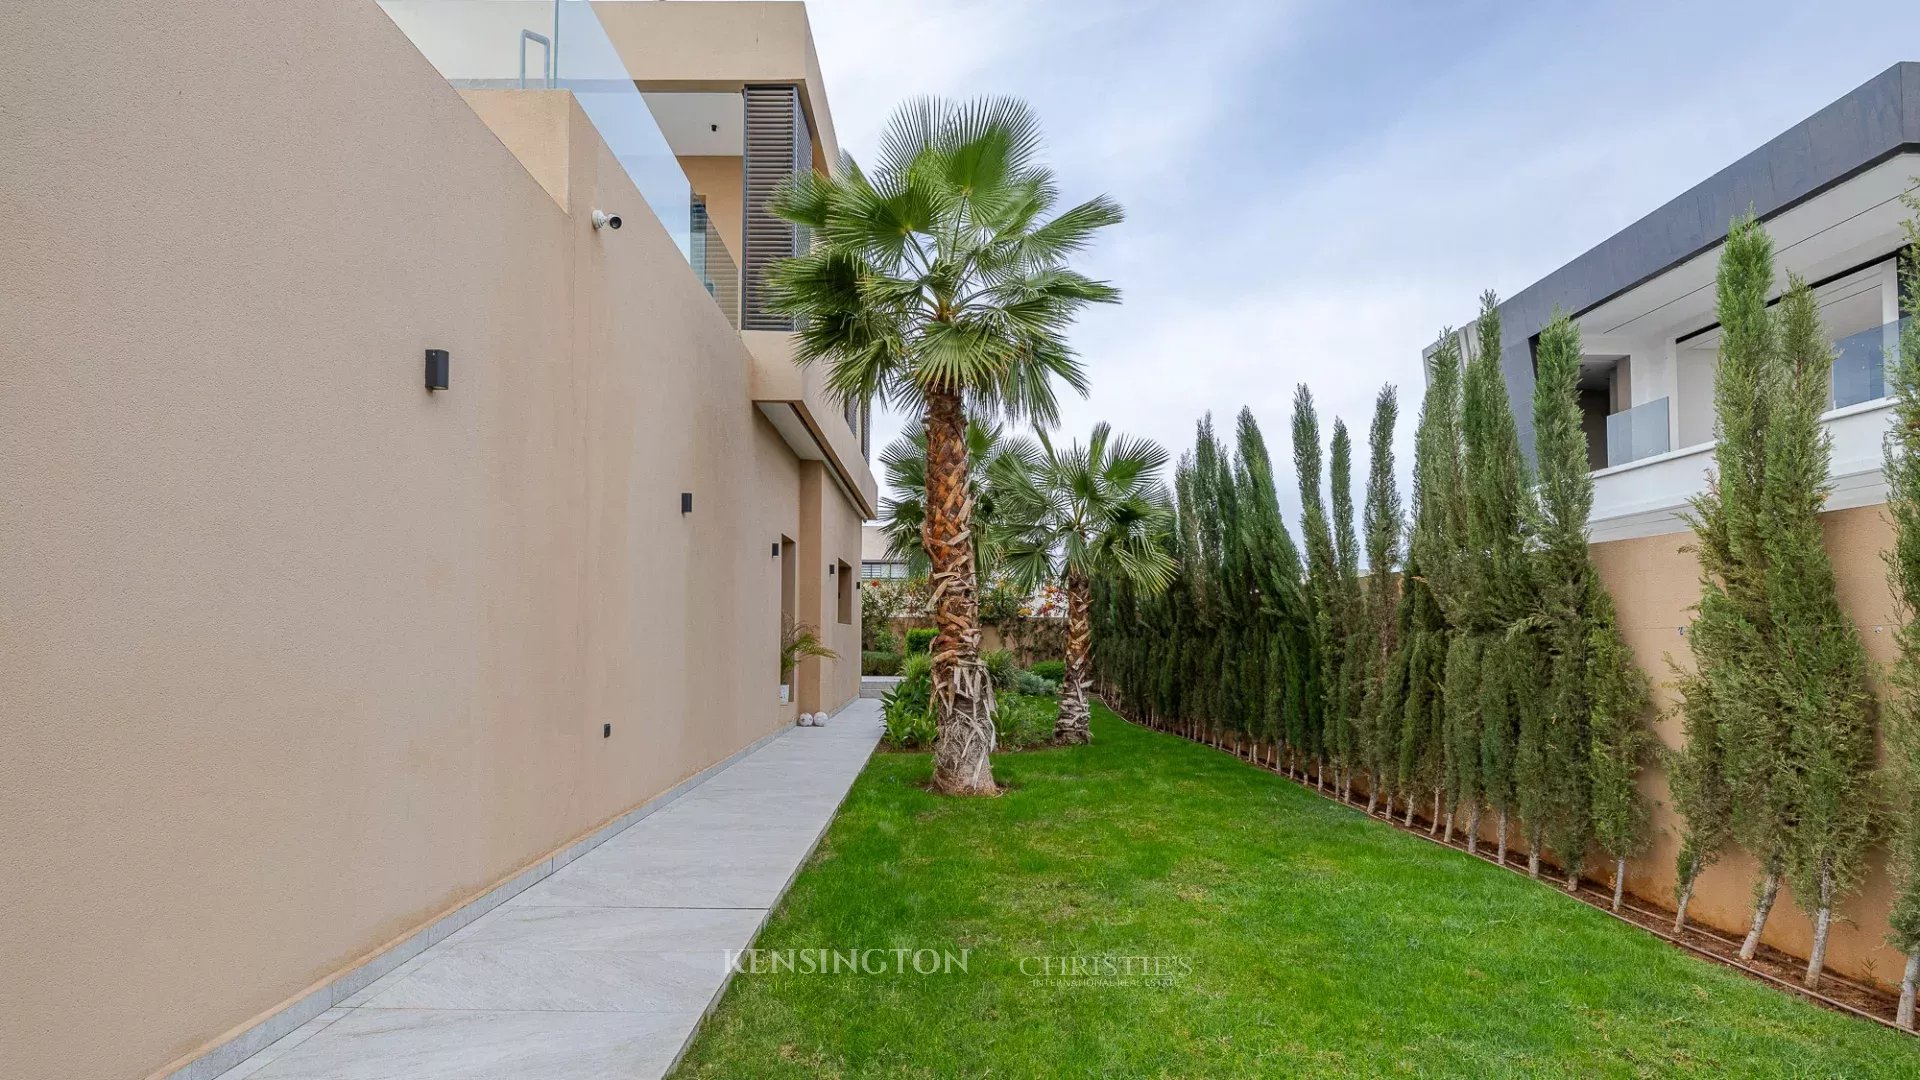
(718, 180)
(683, 45)
(829, 526)
(1655, 584)
(298, 655)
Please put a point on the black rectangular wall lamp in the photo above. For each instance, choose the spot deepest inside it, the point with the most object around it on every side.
(437, 365)
(776, 549)
(830, 569)
(686, 502)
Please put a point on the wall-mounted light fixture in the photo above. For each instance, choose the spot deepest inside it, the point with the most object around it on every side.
(830, 569)
(686, 502)
(438, 364)
(776, 549)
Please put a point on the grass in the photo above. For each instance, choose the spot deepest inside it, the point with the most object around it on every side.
(1316, 941)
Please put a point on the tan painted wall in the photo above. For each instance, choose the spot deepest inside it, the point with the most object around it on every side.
(830, 526)
(1654, 585)
(696, 45)
(300, 656)
(718, 179)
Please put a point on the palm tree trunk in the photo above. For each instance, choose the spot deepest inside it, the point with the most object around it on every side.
(1908, 983)
(1073, 725)
(1769, 889)
(962, 692)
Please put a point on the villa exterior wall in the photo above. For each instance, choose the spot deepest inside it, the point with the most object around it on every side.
(300, 656)
(1655, 585)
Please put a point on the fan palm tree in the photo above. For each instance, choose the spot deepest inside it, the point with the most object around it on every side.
(904, 512)
(940, 283)
(1081, 512)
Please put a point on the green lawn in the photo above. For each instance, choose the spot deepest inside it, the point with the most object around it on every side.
(1320, 943)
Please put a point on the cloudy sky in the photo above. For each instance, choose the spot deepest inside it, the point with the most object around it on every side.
(1315, 187)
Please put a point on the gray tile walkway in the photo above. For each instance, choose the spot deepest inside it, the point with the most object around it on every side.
(605, 968)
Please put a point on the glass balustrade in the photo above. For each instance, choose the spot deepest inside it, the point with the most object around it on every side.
(1639, 432)
(560, 44)
(1860, 364)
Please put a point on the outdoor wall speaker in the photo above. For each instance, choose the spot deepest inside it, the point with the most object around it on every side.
(686, 502)
(437, 364)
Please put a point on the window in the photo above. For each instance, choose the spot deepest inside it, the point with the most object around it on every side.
(845, 575)
(882, 570)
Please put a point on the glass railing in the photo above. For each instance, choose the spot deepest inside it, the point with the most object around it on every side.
(1860, 364)
(1639, 432)
(530, 44)
(714, 263)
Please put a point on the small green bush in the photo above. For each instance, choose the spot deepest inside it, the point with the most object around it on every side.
(1054, 671)
(1000, 667)
(1026, 682)
(920, 639)
(908, 707)
(879, 662)
(1020, 721)
(883, 640)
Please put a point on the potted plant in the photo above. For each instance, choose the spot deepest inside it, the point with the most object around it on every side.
(797, 642)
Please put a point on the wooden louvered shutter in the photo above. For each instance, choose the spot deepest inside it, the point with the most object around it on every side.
(778, 144)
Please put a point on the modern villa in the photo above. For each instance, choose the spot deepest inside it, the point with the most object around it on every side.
(1828, 192)
(406, 482)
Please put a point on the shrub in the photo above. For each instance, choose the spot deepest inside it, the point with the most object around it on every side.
(1026, 682)
(1054, 671)
(879, 662)
(908, 707)
(1020, 721)
(999, 603)
(881, 640)
(920, 639)
(1000, 667)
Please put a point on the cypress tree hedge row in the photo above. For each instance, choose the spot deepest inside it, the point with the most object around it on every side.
(1476, 666)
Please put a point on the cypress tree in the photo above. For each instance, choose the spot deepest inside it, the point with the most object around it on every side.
(1225, 653)
(1820, 668)
(1595, 737)
(1322, 571)
(1491, 593)
(1732, 639)
(1903, 572)
(1276, 602)
(1438, 535)
(1344, 738)
(1383, 679)
(1719, 776)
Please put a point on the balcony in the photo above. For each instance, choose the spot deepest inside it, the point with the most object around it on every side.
(532, 45)
(1645, 483)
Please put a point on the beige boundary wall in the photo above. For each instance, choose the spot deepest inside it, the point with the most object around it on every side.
(298, 656)
(1655, 584)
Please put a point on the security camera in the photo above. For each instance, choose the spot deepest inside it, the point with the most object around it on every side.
(604, 220)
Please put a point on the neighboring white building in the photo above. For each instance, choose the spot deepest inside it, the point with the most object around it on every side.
(875, 563)
(1828, 191)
